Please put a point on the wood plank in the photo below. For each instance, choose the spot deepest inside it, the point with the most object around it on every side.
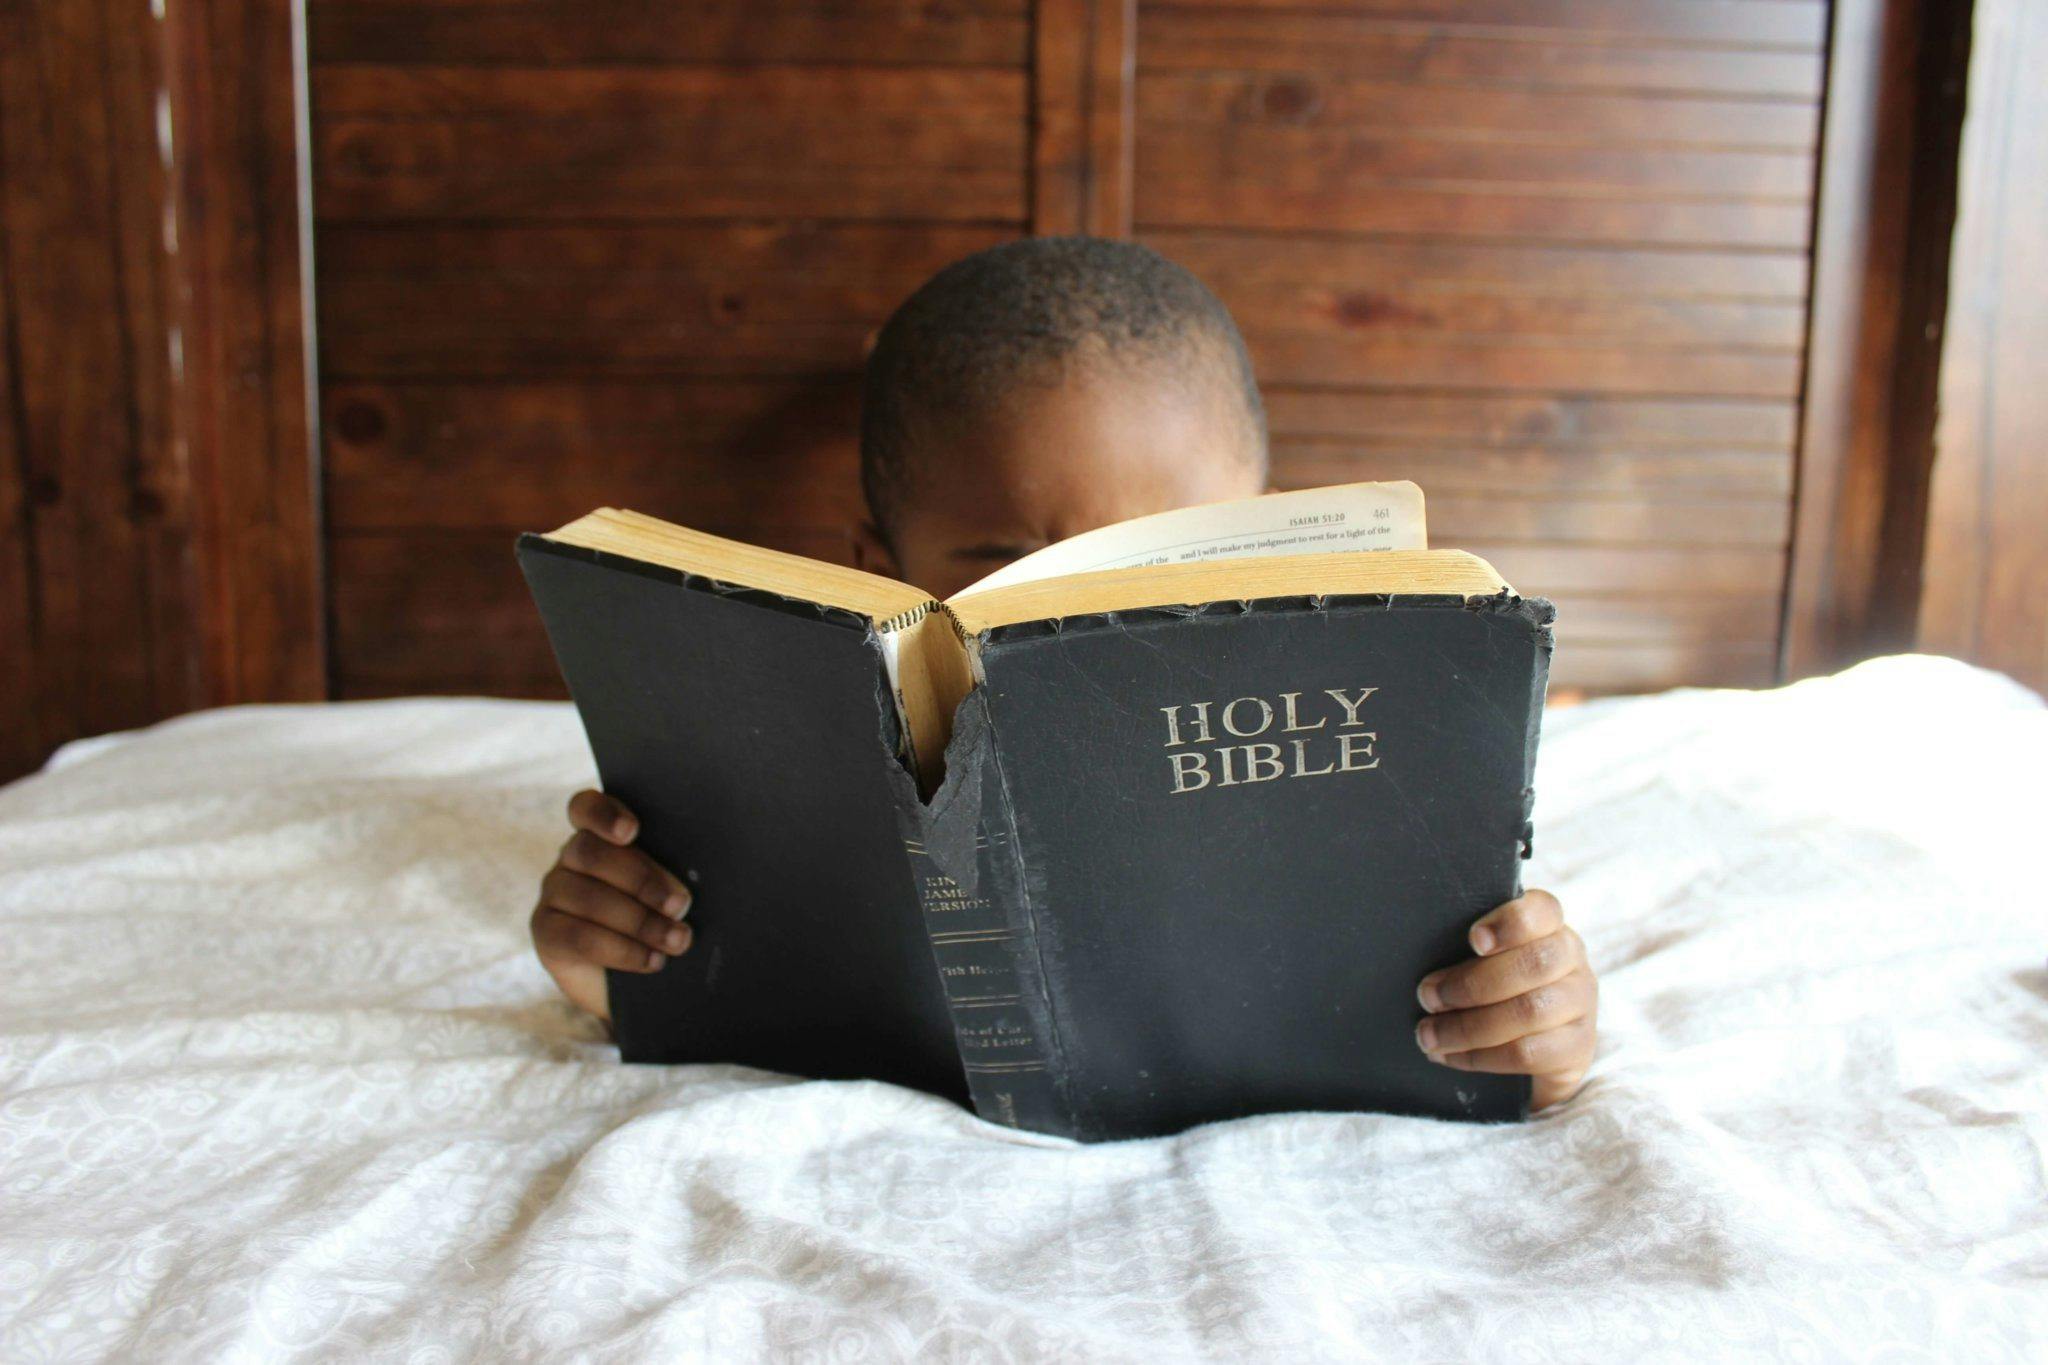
(1167, 198)
(751, 454)
(1082, 72)
(1545, 569)
(1548, 365)
(670, 143)
(22, 746)
(1445, 468)
(94, 599)
(1523, 420)
(1174, 38)
(1621, 618)
(1602, 667)
(604, 300)
(1798, 24)
(1257, 158)
(1987, 553)
(1338, 313)
(1458, 517)
(1217, 99)
(235, 95)
(718, 32)
(1245, 264)
(1883, 224)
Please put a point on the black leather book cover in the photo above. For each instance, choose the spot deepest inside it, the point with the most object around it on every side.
(754, 737)
(1187, 864)
(1243, 833)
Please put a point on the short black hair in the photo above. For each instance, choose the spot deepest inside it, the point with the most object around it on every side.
(1011, 315)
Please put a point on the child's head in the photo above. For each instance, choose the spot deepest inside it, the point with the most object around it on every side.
(1043, 388)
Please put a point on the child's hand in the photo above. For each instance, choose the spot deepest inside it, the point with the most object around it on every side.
(606, 904)
(1525, 1006)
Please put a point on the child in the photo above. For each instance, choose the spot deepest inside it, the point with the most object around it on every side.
(1026, 394)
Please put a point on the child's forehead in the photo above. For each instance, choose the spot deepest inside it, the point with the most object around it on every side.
(1095, 443)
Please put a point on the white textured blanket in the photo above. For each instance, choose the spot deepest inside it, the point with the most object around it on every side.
(280, 1077)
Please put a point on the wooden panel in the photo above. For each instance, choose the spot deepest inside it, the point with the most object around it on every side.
(1081, 121)
(1798, 24)
(681, 142)
(1316, 99)
(732, 32)
(1521, 419)
(95, 604)
(494, 299)
(1986, 590)
(1365, 46)
(1545, 257)
(761, 454)
(234, 97)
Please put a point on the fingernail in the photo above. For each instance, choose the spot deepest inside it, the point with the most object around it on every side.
(1425, 1035)
(1482, 940)
(1427, 994)
(623, 829)
(677, 905)
(675, 940)
(653, 959)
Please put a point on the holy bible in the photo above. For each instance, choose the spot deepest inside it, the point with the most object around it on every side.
(1158, 826)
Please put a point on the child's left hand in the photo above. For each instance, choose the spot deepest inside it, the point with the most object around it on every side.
(1525, 1006)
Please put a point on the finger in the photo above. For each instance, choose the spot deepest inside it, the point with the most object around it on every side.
(1554, 1089)
(1554, 1051)
(564, 935)
(587, 898)
(1524, 919)
(604, 816)
(1547, 1007)
(1490, 980)
(628, 869)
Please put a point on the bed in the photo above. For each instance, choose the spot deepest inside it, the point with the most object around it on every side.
(280, 1079)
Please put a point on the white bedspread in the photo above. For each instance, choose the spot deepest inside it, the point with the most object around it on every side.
(279, 1077)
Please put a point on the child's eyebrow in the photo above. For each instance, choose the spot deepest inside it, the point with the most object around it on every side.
(993, 549)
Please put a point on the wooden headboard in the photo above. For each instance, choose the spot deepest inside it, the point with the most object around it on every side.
(1596, 273)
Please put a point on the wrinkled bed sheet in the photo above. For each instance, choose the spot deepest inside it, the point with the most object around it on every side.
(280, 1078)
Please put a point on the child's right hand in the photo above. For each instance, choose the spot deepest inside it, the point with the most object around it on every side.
(606, 904)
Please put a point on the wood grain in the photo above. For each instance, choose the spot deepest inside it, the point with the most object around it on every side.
(660, 32)
(1467, 53)
(669, 143)
(1987, 552)
(1886, 195)
(512, 299)
(95, 601)
(762, 454)
(1082, 67)
(234, 93)
(1794, 24)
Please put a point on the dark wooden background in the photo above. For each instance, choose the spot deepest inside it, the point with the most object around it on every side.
(1645, 293)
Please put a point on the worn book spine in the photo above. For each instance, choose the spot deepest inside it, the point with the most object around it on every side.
(965, 861)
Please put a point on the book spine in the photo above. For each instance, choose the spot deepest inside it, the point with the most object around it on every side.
(970, 886)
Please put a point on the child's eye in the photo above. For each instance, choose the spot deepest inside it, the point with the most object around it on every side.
(993, 552)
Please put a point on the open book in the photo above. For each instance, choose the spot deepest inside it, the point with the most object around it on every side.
(1158, 825)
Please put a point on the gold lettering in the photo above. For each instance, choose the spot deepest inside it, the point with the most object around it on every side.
(1288, 701)
(1265, 717)
(1187, 768)
(1350, 706)
(1301, 768)
(1344, 751)
(1270, 759)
